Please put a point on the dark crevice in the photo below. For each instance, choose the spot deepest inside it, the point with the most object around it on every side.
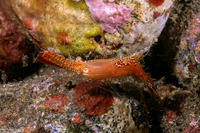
(160, 61)
(97, 38)
(17, 73)
(160, 64)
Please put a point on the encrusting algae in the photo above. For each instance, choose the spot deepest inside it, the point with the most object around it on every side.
(130, 26)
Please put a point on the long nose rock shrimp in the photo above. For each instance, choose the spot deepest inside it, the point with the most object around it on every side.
(100, 68)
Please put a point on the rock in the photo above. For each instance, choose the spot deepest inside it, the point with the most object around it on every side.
(136, 27)
(44, 103)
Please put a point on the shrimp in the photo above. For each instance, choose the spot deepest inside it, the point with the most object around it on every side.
(100, 68)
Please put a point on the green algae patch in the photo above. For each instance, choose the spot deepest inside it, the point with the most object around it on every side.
(77, 47)
(51, 17)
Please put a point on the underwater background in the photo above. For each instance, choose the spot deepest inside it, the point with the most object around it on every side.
(100, 66)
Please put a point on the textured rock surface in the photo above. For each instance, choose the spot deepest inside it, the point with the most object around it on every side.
(48, 103)
(16, 50)
(135, 32)
(177, 70)
(182, 112)
(187, 69)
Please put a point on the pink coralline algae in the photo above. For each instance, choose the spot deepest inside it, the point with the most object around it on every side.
(109, 15)
(13, 43)
(56, 102)
(93, 97)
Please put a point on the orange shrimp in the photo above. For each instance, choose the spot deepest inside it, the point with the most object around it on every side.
(100, 68)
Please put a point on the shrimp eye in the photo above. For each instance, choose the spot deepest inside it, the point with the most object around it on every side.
(85, 70)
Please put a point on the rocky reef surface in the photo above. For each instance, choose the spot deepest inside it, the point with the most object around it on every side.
(107, 28)
(51, 101)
